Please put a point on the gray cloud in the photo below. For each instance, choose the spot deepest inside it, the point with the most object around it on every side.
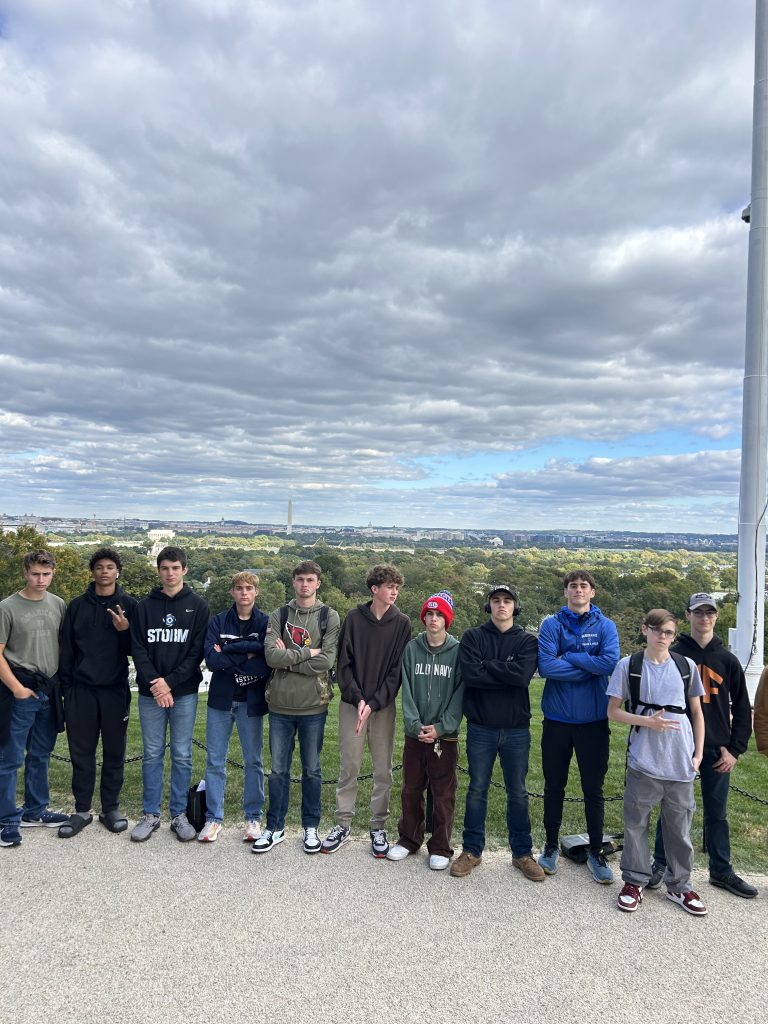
(250, 250)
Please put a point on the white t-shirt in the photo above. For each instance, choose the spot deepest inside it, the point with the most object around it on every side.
(662, 755)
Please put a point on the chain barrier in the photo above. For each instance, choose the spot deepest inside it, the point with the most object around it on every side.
(398, 767)
(749, 796)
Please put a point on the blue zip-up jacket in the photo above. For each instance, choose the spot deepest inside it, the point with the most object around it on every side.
(235, 675)
(577, 654)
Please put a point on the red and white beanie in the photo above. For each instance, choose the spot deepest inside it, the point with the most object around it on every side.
(441, 602)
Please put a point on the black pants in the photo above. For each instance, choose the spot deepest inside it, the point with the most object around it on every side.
(92, 712)
(591, 742)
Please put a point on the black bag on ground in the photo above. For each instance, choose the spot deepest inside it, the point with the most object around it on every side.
(576, 848)
(196, 808)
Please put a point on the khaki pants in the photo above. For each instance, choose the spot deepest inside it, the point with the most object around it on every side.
(380, 731)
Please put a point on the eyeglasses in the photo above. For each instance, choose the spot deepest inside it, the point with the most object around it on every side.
(665, 634)
(705, 613)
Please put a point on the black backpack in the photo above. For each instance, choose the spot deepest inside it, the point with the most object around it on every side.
(322, 621)
(635, 676)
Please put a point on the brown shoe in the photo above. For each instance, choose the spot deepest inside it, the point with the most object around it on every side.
(464, 863)
(529, 867)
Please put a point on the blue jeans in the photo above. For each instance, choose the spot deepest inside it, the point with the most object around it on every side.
(32, 729)
(154, 726)
(714, 800)
(283, 730)
(218, 729)
(512, 746)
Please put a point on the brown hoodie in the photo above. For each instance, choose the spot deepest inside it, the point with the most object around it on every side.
(370, 651)
(761, 713)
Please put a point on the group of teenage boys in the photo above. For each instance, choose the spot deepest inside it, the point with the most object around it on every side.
(282, 667)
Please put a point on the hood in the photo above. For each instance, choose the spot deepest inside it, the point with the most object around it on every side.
(686, 645)
(492, 628)
(97, 605)
(387, 618)
(572, 619)
(450, 643)
(158, 594)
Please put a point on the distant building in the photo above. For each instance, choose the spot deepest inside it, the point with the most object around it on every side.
(159, 540)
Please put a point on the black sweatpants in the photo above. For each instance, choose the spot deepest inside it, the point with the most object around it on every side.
(591, 742)
(91, 712)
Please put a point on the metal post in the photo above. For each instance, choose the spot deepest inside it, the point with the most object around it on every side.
(748, 638)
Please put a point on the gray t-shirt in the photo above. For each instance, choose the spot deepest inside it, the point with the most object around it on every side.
(30, 631)
(662, 755)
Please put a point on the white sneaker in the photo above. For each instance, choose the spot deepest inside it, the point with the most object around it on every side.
(252, 831)
(209, 833)
(438, 863)
(268, 838)
(312, 842)
(397, 852)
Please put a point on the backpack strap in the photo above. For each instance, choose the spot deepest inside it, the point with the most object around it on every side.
(635, 678)
(685, 671)
(322, 620)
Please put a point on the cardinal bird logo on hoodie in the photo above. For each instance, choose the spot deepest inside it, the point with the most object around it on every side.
(299, 635)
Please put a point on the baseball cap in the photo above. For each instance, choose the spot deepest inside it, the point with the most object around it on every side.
(700, 601)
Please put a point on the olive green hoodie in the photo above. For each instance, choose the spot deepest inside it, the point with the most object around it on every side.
(433, 689)
(299, 683)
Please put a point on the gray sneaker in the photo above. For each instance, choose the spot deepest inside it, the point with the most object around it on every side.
(657, 874)
(181, 826)
(144, 827)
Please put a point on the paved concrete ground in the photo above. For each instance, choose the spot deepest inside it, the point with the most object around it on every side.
(101, 929)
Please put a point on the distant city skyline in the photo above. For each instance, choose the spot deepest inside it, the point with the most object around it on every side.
(481, 265)
(492, 537)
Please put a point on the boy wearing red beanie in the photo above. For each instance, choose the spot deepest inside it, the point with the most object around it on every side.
(432, 695)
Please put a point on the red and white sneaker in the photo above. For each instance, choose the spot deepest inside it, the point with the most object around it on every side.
(252, 831)
(690, 901)
(630, 897)
(210, 832)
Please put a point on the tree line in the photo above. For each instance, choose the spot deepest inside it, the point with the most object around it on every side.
(628, 582)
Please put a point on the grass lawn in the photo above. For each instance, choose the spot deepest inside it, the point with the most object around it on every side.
(748, 819)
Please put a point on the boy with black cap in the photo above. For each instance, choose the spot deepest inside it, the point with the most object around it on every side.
(498, 660)
(727, 728)
(432, 694)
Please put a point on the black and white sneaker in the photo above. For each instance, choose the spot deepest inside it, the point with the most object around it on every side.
(379, 844)
(335, 839)
(268, 838)
(312, 842)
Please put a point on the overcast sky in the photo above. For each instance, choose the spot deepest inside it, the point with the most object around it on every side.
(429, 262)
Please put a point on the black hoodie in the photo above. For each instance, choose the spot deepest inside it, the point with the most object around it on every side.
(93, 652)
(497, 668)
(370, 651)
(167, 640)
(726, 706)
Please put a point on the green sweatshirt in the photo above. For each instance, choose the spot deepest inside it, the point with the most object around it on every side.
(433, 689)
(299, 683)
